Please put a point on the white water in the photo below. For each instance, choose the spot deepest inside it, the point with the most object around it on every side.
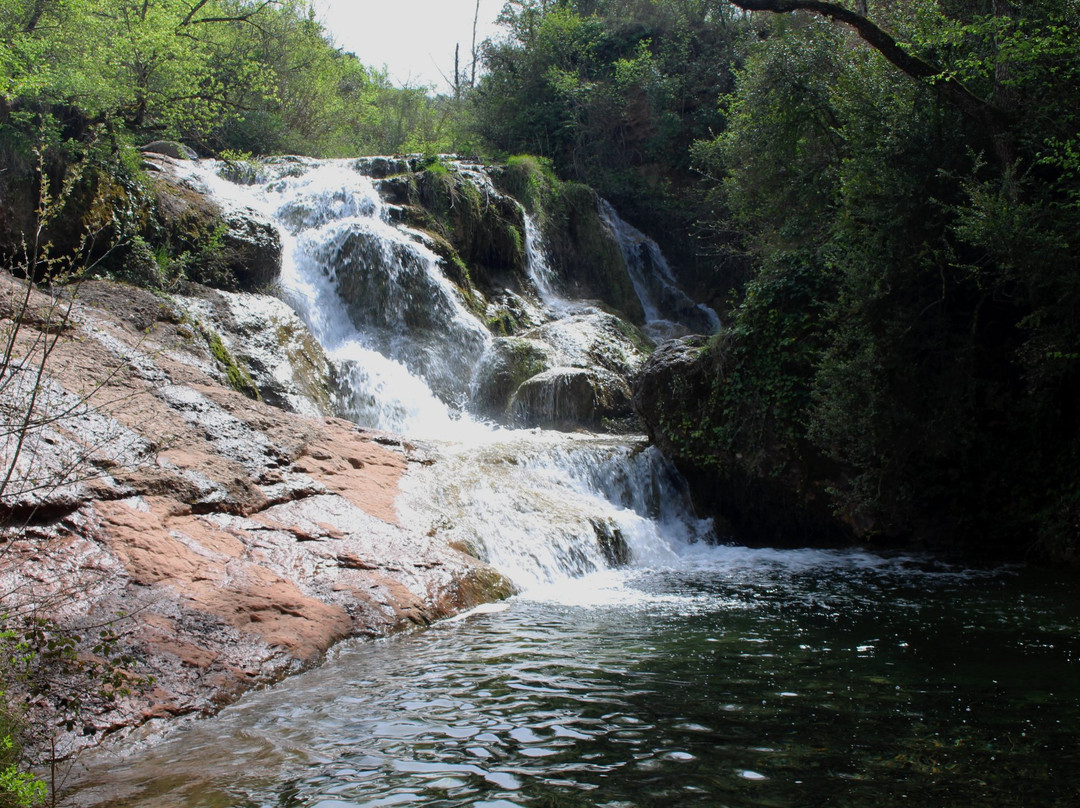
(543, 507)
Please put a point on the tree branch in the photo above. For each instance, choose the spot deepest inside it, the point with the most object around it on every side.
(191, 14)
(982, 112)
(246, 17)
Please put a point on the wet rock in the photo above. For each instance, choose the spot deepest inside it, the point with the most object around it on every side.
(674, 369)
(764, 495)
(252, 250)
(568, 398)
(394, 291)
(216, 524)
(285, 362)
(234, 249)
(170, 148)
(381, 167)
(594, 337)
(506, 364)
(586, 255)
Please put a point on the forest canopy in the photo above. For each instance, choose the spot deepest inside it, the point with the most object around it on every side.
(258, 76)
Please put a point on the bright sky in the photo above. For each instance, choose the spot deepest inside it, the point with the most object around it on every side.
(413, 38)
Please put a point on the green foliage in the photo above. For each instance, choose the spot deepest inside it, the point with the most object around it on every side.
(223, 75)
(18, 787)
(54, 680)
(532, 181)
(614, 93)
(910, 336)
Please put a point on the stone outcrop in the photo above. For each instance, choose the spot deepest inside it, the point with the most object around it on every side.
(767, 496)
(566, 398)
(229, 542)
(226, 249)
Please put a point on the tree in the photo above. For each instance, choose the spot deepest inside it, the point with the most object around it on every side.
(908, 342)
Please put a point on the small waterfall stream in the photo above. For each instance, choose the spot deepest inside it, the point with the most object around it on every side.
(542, 506)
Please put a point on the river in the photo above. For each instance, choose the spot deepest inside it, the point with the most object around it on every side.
(735, 677)
(644, 663)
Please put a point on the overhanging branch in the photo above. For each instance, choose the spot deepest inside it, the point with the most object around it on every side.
(975, 108)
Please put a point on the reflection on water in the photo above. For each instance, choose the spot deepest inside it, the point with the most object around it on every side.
(738, 677)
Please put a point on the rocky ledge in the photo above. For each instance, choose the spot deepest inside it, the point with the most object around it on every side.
(226, 542)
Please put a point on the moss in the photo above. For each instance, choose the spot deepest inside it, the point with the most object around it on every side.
(237, 377)
(503, 323)
(485, 230)
(532, 181)
(308, 363)
(584, 252)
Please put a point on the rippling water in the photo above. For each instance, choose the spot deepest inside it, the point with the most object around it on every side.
(737, 678)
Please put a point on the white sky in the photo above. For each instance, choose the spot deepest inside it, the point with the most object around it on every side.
(414, 39)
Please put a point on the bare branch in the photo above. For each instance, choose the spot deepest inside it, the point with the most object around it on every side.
(245, 17)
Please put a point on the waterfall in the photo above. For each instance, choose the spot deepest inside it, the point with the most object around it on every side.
(542, 506)
(669, 312)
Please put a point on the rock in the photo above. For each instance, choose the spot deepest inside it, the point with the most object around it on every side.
(763, 494)
(396, 295)
(382, 167)
(238, 541)
(506, 364)
(566, 398)
(594, 337)
(586, 256)
(170, 148)
(234, 249)
(251, 250)
(673, 370)
(273, 346)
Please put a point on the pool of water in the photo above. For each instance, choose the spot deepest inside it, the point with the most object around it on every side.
(735, 678)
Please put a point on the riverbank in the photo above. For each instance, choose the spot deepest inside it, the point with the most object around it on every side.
(227, 543)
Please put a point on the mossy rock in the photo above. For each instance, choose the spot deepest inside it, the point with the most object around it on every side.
(506, 364)
(486, 230)
(195, 240)
(588, 257)
(170, 148)
(571, 398)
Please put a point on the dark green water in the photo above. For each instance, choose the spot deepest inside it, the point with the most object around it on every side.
(743, 678)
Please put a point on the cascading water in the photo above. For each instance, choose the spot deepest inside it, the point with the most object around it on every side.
(668, 310)
(541, 506)
(694, 675)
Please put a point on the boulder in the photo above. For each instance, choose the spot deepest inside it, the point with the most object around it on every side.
(251, 250)
(758, 489)
(170, 148)
(506, 364)
(568, 398)
(234, 249)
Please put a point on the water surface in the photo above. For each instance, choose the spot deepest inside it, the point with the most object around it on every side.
(734, 678)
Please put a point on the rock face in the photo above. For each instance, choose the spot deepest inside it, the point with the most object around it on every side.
(240, 540)
(231, 250)
(771, 498)
(563, 398)
(170, 148)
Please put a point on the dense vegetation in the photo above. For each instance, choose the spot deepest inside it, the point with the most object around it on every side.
(235, 75)
(907, 350)
(615, 93)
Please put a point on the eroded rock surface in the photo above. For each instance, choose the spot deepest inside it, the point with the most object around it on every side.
(230, 542)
